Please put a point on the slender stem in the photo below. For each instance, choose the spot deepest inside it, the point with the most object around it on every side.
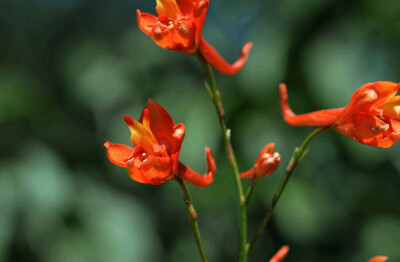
(192, 217)
(216, 97)
(296, 157)
(248, 193)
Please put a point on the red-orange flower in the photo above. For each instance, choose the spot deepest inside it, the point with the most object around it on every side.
(178, 27)
(157, 141)
(266, 163)
(378, 259)
(371, 117)
(280, 255)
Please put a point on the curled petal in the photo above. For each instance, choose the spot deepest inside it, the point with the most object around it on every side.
(317, 118)
(146, 21)
(200, 8)
(119, 154)
(196, 179)
(213, 58)
(378, 259)
(280, 255)
(178, 136)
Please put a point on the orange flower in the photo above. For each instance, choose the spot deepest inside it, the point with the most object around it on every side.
(178, 27)
(157, 141)
(266, 163)
(378, 259)
(371, 117)
(280, 255)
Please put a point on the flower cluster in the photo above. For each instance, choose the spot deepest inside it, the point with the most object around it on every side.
(371, 118)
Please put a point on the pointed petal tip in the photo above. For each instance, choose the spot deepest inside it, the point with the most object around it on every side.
(379, 259)
(211, 167)
(247, 48)
(107, 144)
(281, 254)
(129, 120)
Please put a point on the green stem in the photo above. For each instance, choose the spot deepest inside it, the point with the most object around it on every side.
(250, 189)
(296, 157)
(192, 217)
(216, 97)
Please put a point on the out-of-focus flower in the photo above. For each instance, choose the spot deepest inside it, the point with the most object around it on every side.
(157, 142)
(378, 259)
(266, 163)
(280, 255)
(178, 27)
(371, 117)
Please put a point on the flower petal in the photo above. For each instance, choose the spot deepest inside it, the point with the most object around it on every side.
(150, 169)
(196, 179)
(378, 259)
(213, 58)
(140, 136)
(146, 22)
(280, 255)
(118, 153)
(178, 136)
(200, 8)
(161, 124)
(267, 149)
(248, 173)
(169, 8)
(386, 91)
(317, 118)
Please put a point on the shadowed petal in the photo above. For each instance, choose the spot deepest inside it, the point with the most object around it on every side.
(150, 169)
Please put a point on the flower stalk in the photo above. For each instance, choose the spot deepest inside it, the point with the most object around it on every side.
(187, 198)
(298, 154)
(226, 133)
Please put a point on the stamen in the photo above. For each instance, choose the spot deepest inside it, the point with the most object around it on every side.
(170, 25)
(159, 31)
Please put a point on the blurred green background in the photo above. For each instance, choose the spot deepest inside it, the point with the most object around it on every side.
(69, 71)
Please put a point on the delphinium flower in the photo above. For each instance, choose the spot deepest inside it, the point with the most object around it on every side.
(157, 142)
(178, 27)
(371, 117)
(267, 162)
